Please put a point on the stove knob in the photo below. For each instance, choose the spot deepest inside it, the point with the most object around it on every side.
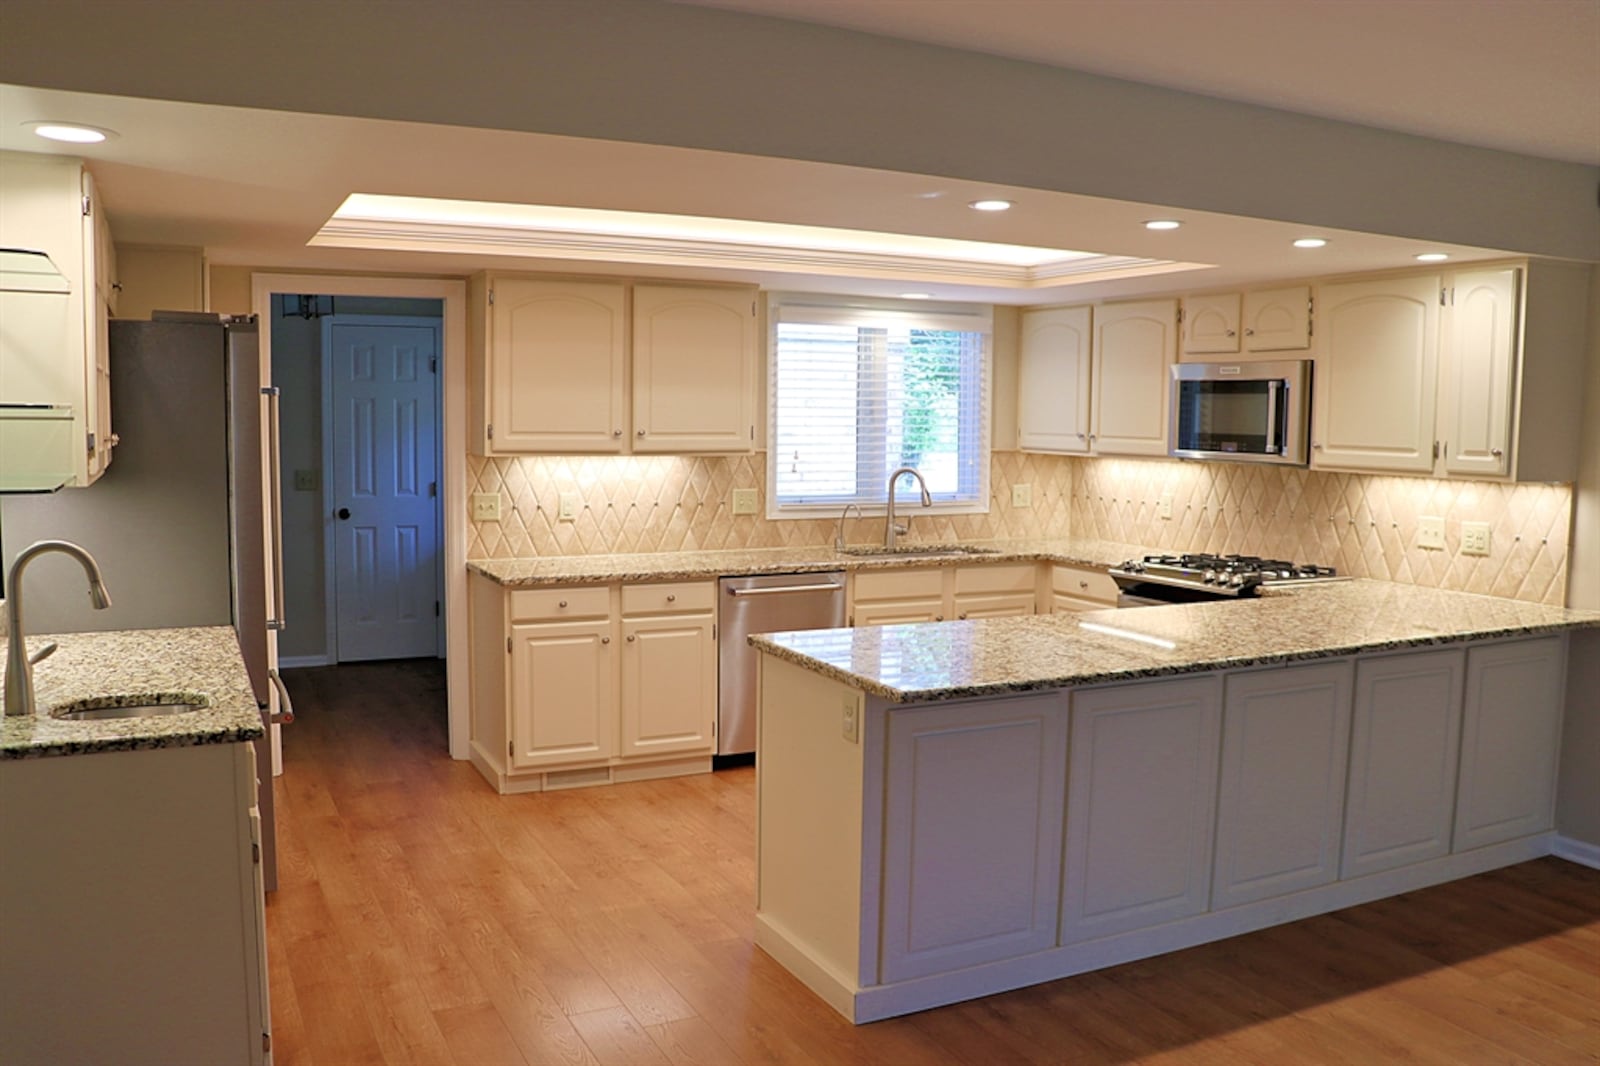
(1236, 580)
(1210, 577)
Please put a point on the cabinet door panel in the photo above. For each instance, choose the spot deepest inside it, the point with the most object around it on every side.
(669, 685)
(1053, 380)
(1134, 345)
(1141, 802)
(1404, 745)
(1277, 320)
(897, 612)
(556, 366)
(994, 605)
(972, 835)
(1510, 733)
(1375, 381)
(1211, 323)
(1476, 372)
(693, 368)
(1280, 803)
(563, 706)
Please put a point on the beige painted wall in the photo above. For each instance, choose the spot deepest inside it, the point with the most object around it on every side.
(160, 278)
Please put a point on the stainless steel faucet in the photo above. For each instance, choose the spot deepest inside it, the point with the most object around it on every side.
(891, 530)
(19, 665)
(838, 537)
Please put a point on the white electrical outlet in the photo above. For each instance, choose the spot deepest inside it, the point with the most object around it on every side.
(852, 721)
(1430, 532)
(486, 507)
(1022, 495)
(571, 503)
(1164, 506)
(744, 501)
(1474, 538)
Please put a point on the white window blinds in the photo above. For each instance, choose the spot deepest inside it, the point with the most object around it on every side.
(857, 392)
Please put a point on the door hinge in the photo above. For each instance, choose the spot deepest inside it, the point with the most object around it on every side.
(752, 309)
(491, 431)
(491, 297)
(88, 207)
(255, 853)
(1436, 449)
(511, 747)
(433, 366)
(266, 1042)
(90, 448)
(1311, 316)
(1442, 300)
(713, 631)
(508, 645)
(752, 432)
(436, 608)
(1180, 314)
(433, 488)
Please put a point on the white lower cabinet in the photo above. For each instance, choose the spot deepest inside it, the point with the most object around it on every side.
(1510, 739)
(972, 841)
(1280, 802)
(562, 706)
(669, 679)
(1404, 744)
(1141, 805)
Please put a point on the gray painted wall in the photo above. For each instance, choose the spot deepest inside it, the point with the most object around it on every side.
(297, 372)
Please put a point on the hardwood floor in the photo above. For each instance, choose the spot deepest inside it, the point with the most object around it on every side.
(424, 919)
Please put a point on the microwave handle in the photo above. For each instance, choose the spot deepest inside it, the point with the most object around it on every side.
(1274, 444)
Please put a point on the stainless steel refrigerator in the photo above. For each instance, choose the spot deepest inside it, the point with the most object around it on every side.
(184, 519)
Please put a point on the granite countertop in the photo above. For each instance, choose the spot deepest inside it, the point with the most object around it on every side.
(133, 666)
(665, 566)
(947, 660)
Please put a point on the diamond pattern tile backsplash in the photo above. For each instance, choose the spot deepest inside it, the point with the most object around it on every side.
(685, 503)
(1363, 525)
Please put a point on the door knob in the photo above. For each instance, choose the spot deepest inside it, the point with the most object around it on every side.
(344, 514)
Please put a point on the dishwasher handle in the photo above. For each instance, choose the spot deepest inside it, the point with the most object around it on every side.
(774, 590)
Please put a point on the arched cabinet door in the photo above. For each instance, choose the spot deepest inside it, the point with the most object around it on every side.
(693, 369)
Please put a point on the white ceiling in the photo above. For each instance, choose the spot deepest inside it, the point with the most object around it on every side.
(252, 186)
(1519, 75)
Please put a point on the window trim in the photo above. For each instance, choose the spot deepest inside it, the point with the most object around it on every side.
(872, 311)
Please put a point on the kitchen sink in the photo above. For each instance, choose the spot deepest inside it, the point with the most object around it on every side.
(103, 708)
(914, 550)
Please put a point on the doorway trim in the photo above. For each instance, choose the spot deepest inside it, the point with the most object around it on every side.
(330, 572)
(453, 433)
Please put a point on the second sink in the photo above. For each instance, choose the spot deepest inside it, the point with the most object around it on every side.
(104, 708)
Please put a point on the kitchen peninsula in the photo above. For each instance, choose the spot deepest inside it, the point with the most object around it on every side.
(951, 810)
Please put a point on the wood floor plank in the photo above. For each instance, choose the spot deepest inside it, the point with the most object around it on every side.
(422, 918)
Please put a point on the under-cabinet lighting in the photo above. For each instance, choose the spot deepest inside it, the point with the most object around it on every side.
(1432, 257)
(990, 205)
(1311, 242)
(1128, 634)
(916, 296)
(1162, 223)
(71, 133)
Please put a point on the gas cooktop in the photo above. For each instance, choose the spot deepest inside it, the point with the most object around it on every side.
(1214, 575)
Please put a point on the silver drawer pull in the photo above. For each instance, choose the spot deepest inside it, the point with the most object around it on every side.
(776, 589)
(605, 640)
(671, 598)
(632, 637)
(563, 603)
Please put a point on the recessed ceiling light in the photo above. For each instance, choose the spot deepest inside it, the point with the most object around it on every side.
(916, 296)
(71, 133)
(990, 205)
(1311, 242)
(1432, 257)
(1162, 223)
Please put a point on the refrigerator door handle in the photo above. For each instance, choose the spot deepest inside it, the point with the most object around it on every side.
(285, 714)
(275, 618)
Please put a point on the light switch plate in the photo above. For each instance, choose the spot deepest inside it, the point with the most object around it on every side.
(486, 507)
(307, 480)
(571, 503)
(850, 726)
(1474, 538)
(1164, 506)
(1022, 495)
(744, 501)
(1430, 532)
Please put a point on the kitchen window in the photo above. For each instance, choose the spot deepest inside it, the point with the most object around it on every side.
(859, 388)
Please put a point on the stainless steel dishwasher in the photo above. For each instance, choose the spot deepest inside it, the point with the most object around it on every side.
(773, 603)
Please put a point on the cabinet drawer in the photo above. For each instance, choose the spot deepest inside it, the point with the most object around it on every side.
(669, 597)
(899, 584)
(1084, 584)
(997, 577)
(589, 601)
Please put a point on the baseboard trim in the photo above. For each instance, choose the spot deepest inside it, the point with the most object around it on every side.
(297, 662)
(1578, 851)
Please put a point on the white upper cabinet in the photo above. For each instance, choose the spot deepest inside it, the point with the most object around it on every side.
(1053, 380)
(1134, 346)
(1476, 372)
(1375, 375)
(556, 353)
(693, 369)
(1211, 324)
(1277, 320)
(563, 366)
(54, 357)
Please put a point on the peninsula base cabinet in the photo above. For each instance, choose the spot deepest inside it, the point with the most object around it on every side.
(592, 684)
(974, 845)
(135, 931)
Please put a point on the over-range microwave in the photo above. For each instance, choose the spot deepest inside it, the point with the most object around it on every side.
(1242, 411)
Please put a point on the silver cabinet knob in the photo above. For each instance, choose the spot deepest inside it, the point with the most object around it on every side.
(938, 618)
(616, 433)
(640, 433)
(632, 637)
(671, 598)
(962, 616)
(1249, 332)
(1083, 584)
(563, 603)
(605, 640)
(1496, 452)
(1231, 333)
